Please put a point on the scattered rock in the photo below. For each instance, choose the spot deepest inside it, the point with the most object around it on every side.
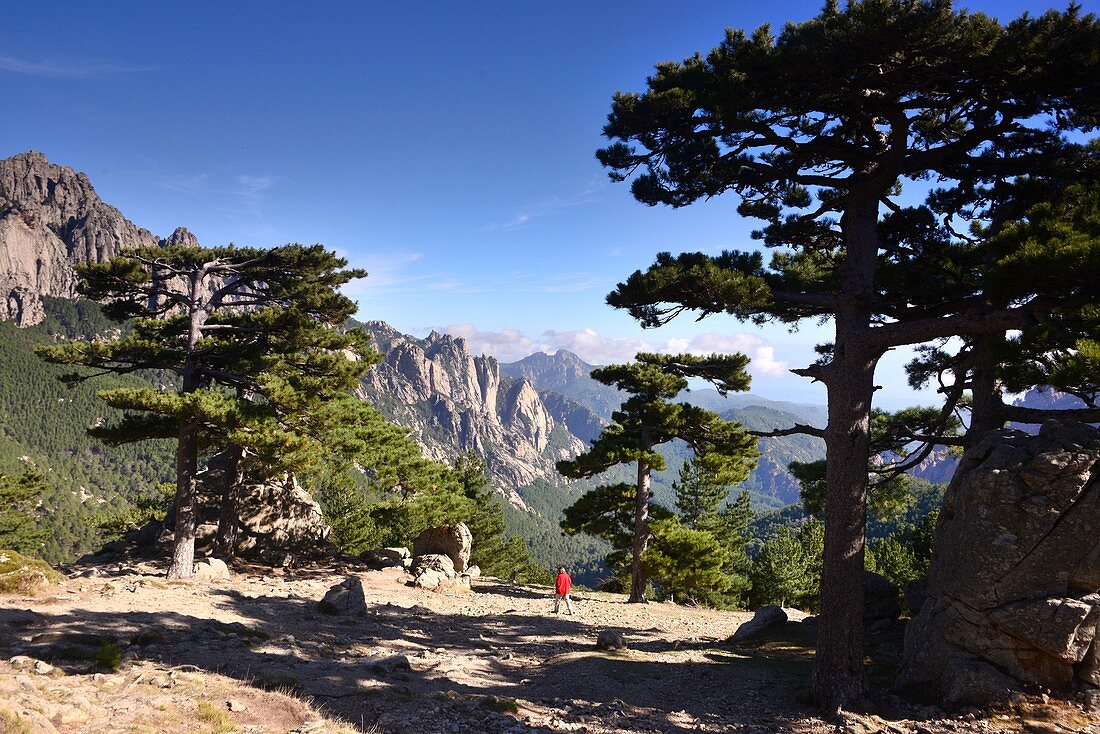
(453, 541)
(430, 571)
(765, 617)
(610, 640)
(391, 663)
(211, 569)
(387, 558)
(346, 597)
(71, 716)
(474, 572)
(234, 705)
(880, 598)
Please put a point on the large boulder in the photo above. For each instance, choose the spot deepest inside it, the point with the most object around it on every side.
(880, 598)
(765, 618)
(394, 557)
(278, 517)
(453, 541)
(432, 571)
(610, 640)
(346, 597)
(1012, 589)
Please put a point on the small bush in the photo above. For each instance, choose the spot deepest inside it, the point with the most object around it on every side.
(11, 723)
(109, 655)
(501, 704)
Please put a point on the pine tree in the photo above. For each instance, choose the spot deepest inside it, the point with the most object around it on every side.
(493, 552)
(247, 333)
(687, 563)
(21, 529)
(816, 131)
(647, 419)
(699, 495)
(780, 573)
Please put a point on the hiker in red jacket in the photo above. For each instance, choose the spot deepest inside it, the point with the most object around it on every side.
(562, 585)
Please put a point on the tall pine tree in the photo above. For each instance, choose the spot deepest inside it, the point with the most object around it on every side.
(237, 327)
(648, 419)
(816, 131)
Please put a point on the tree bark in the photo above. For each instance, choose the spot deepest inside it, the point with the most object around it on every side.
(641, 534)
(187, 459)
(187, 453)
(838, 675)
(225, 544)
(986, 408)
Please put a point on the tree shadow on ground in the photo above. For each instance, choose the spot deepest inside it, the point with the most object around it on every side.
(363, 667)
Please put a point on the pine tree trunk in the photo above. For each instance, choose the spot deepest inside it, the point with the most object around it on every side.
(187, 453)
(641, 534)
(225, 544)
(985, 409)
(187, 459)
(838, 675)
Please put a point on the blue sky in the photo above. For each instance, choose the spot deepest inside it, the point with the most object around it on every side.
(446, 147)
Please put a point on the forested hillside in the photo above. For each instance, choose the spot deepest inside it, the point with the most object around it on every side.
(43, 426)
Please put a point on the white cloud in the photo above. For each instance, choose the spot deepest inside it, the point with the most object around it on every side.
(386, 273)
(510, 345)
(67, 69)
(756, 347)
(549, 205)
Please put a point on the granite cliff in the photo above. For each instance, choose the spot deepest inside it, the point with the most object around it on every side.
(51, 220)
(454, 402)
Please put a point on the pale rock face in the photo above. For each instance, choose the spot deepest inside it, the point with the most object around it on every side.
(50, 220)
(455, 402)
(1014, 580)
(525, 413)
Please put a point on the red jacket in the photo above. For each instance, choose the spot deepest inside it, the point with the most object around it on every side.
(563, 584)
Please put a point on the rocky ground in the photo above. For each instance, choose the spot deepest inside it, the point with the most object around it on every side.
(125, 651)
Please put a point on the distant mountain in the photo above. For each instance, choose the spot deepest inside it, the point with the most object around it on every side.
(566, 374)
(51, 219)
(455, 402)
(771, 484)
(807, 413)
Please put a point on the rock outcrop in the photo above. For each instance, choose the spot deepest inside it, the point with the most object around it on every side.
(453, 541)
(279, 523)
(1013, 586)
(50, 220)
(765, 618)
(455, 402)
(432, 571)
(277, 519)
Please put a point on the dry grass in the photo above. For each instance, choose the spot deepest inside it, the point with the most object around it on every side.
(10, 723)
(22, 576)
(216, 718)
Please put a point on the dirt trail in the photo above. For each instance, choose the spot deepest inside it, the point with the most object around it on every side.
(496, 660)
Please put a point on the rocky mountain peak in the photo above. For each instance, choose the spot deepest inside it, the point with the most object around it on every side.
(50, 220)
(455, 402)
(181, 237)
